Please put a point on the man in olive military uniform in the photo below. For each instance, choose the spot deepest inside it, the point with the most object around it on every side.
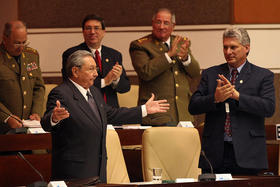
(164, 64)
(21, 84)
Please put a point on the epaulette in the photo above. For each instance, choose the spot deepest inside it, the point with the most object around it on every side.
(31, 50)
(142, 40)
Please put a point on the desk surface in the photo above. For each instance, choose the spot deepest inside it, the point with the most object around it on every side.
(242, 182)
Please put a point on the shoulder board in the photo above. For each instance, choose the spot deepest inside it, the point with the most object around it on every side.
(143, 40)
(31, 50)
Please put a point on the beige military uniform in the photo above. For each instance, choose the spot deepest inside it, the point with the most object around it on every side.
(166, 80)
(21, 84)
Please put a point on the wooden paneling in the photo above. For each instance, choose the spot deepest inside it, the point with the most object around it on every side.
(256, 11)
(69, 13)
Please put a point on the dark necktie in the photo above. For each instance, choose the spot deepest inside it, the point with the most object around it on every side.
(234, 73)
(93, 105)
(98, 59)
(166, 44)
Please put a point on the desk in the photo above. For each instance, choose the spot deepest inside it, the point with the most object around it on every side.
(14, 171)
(243, 182)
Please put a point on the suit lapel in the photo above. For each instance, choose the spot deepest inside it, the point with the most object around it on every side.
(83, 104)
(243, 76)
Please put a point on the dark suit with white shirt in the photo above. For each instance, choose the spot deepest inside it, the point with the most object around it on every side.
(247, 116)
(79, 141)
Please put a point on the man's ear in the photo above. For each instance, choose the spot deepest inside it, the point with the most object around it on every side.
(247, 48)
(75, 71)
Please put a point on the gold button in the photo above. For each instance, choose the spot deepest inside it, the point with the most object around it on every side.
(107, 60)
(180, 58)
(173, 61)
(30, 74)
(177, 85)
(23, 78)
(160, 49)
(13, 65)
(24, 64)
(24, 106)
(176, 72)
(24, 93)
(176, 97)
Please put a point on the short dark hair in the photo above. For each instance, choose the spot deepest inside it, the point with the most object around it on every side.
(93, 17)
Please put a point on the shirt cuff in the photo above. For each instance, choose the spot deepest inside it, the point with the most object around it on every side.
(53, 123)
(115, 83)
(6, 120)
(168, 58)
(187, 62)
(102, 83)
(144, 111)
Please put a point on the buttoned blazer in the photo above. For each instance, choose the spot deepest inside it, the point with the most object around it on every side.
(247, 116)
(109, 58)
(166, 80)
(78, 142)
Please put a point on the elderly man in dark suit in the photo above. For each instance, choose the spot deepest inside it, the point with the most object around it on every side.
(236, 97)
(111, 77)
(164, 66)
(77, 117)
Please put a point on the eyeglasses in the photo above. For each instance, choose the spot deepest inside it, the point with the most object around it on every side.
(21, 44)
(95, 28)
(165, 23)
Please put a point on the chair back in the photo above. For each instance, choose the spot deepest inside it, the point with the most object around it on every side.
(116, 167)
(174, 149)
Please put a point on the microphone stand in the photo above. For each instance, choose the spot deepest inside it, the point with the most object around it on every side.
(41, 183)
(207, 176)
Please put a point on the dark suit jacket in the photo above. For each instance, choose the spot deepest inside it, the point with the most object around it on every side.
(256, 101)
(78, 142)
(109, 59)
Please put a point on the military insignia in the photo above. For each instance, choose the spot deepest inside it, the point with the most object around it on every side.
(106, 60)
(142, 40)
(31, 66)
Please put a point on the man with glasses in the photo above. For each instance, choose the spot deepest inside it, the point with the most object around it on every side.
(111, 74)
(164, 66)
(21, 84)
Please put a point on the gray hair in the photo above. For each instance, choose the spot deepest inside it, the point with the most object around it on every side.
(173, 20)
(76, 59)
(9, 26)
(239, 33)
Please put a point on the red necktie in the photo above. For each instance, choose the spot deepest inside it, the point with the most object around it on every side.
(234, 73)
(98, 59)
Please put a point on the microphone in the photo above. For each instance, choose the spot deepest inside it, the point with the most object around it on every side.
(207, 176)
(41, 183)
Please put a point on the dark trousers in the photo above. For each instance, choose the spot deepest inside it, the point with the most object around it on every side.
(230, 165)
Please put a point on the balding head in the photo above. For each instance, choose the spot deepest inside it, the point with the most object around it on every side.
(14, 37)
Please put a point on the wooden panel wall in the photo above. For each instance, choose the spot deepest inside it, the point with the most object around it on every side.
(69, 13)
(256, 11)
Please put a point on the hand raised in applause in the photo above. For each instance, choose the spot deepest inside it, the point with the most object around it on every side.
(158, 106)
(114, 74)
(59, 113)
(117, 71)
(235, 93)
(225, 90)
(180, 48)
